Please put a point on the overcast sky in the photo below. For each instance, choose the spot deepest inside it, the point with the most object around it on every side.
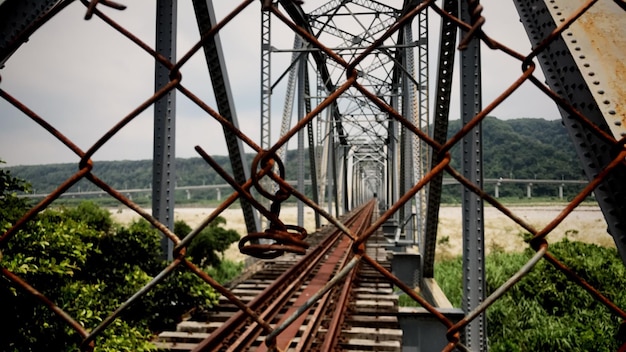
(83, 77)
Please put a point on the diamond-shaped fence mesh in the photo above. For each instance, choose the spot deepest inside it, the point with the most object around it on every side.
(364, 108)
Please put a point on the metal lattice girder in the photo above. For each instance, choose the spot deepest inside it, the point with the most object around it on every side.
(354, 118)
(298, 65)
(355, 41)
(420, 148)
(20, 18)
(415, 108)
(301, 19)
(368, 166)
(348, 27)
(266, 92)
(585, 66)
(311, 146)
(266, 79)
(290, 93)
(164, 156)
(205, 16)
(407, 175)
(332, 6)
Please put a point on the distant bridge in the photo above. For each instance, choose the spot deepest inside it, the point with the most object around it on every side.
(446, 181)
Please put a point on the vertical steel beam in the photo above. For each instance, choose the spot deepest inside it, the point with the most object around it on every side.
(392, 153)
(266, 94)
(324, 155)
(345, 149)
(385, 197)
(356, 185)
(301, 112)
(312, 154)
(164, 156)
(333, 178)
(339, 176)
(408, 138)
(421, 150)
(475, 336)
(266, 77)
(205, 16)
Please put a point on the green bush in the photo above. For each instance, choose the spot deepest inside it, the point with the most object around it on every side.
(208, 247)
(545, 311)
(227, 271)
(88, 265)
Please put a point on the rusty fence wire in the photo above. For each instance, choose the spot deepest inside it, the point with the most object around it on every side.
(292, 238)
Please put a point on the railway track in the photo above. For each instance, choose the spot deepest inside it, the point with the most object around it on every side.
(357, 313)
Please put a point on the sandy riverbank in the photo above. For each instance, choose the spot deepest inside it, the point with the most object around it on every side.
(586, 224)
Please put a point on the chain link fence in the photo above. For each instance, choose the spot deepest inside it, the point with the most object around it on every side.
(598, 129)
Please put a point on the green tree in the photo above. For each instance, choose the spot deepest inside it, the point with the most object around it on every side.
(87, 265)
(545, 311)
(11, 205)
(208, 247)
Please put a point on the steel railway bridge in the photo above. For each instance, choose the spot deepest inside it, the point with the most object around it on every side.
(365, 90)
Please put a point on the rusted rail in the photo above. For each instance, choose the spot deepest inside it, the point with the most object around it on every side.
(303, 315)
(238, 334)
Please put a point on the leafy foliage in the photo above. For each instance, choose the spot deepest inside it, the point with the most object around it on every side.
(10, 203)
(88, 265)
(208, 247)
(545, 311)
(226, 271)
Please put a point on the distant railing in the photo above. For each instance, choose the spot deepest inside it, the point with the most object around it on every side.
(225, 186)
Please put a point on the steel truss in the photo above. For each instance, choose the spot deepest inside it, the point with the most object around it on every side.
(357, 149)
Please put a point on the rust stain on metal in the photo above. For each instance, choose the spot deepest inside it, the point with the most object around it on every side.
(604, 28)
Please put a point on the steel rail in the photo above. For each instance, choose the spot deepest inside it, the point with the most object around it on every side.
(360, 222)
(335, 257)
(338, 316)
(275, 295)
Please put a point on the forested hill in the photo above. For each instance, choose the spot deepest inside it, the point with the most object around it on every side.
(524, 149)
(521, 148)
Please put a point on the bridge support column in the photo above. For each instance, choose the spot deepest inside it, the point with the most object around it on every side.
(529, 190)
(408, 268)
(497, 191)
(561, 191)
(421, 331)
